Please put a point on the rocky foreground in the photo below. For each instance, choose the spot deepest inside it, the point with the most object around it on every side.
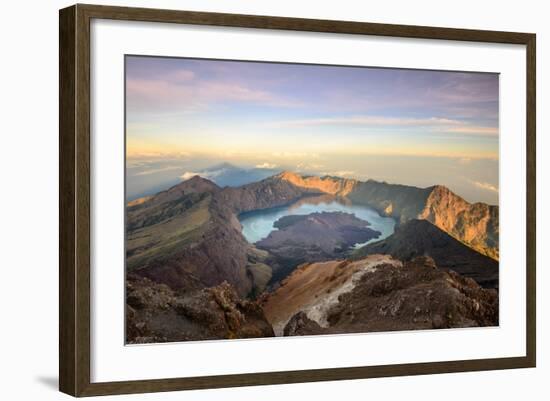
(155, 313)
(377, 293)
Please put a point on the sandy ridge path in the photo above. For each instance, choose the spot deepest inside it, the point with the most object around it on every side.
(314, 288)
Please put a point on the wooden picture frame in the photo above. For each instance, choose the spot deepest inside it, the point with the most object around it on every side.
(74, 204)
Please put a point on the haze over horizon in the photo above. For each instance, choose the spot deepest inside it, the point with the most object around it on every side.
(409, 127)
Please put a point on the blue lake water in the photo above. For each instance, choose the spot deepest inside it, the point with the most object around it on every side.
(258, 224)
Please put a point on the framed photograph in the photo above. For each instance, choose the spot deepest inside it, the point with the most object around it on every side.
(250, 200)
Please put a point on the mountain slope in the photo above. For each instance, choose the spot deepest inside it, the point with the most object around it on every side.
(186, 238)
(327, 184)
(422, 238)
(402, 202)
(270, 192)
(315, 287)
(476, 224)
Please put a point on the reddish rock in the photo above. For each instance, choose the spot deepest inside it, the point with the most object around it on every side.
(156, 313)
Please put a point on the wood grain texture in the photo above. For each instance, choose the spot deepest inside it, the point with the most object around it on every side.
(74, 198)
(301, 24)
(300, 376)
(67, 265)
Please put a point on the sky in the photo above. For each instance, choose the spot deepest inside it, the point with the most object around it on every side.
(414, 127)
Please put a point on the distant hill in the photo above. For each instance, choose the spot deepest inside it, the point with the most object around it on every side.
(422, 238)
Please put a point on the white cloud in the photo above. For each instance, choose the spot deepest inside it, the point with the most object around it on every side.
(309, 166)
(437, 124)
(157, 170)
(154, 156)
(266, 165)
(486, 186)
(294, 155)
(341, 173)
(464, 160)
(473, 130)
(188, 175)
(208, 174)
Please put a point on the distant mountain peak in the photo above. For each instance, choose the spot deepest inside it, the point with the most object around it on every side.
(223, 165)
(441, 190)
(195, 182)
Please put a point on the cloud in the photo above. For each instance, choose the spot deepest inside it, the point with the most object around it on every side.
(190, 174)
(208, 174)
(266, 165)
(139, 156)
(309, 166)
(373, 121)
(182, 92)
(341, 173)
(473, 130)
(293, 155)
(181, 75)
(157, 170)
(431, 123)
(485, 185)
(220, 91)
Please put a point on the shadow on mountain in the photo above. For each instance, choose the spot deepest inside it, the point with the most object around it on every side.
(421, 238)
